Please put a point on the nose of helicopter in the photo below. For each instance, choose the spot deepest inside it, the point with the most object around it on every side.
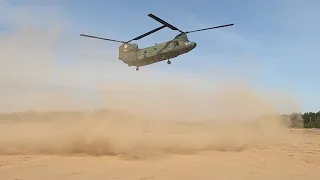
(193, 45)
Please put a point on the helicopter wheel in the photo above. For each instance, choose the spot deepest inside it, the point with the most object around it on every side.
(169, 62)
(137, 69)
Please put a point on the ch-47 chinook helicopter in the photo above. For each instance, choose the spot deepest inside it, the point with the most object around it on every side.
(132, 55)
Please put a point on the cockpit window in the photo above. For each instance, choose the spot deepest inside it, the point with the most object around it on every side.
(176, 43)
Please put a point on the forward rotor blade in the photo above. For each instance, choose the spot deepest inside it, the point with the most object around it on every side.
(163, 22)
(85, 35)
(210, 28)
(148, 33)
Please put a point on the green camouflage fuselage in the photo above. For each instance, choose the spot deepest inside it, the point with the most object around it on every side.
(133, 56)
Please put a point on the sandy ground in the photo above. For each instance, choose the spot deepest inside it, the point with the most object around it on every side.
(297, 156)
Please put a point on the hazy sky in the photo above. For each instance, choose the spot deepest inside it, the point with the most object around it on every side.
(274, 45)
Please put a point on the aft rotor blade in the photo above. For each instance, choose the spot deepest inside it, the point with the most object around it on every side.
(210, 28)
(85, 35)
(163, 22)
(148, 33)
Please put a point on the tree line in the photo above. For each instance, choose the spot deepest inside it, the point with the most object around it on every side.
(311, 119)
(305, 120)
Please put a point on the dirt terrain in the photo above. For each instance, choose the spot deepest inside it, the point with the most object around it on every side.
(139, 149)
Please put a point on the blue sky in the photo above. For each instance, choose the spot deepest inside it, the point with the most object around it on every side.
(274, 45)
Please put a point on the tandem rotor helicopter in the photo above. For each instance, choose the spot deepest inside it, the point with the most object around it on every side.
(132, 55)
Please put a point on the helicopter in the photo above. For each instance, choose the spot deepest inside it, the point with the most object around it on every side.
(132, 55)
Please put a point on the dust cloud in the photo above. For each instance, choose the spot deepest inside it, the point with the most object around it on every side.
(233, 126)
(180, 115)
(125, 136)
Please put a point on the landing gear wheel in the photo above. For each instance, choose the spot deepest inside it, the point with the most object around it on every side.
(169, 62)
(137, 69)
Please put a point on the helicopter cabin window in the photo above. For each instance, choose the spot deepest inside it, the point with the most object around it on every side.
(186, 42)
(176, 43)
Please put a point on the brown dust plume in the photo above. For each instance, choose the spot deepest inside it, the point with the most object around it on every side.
(235, 125)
